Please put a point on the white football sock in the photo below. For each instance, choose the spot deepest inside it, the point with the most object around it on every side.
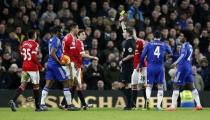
(174, 98)
(159, 98)
(148, 92)
(44, 95)
(196, 97)
(67, 95)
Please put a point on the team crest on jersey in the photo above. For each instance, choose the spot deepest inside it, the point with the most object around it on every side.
(130, 49)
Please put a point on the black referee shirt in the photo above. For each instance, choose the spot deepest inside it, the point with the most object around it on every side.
(128, 49)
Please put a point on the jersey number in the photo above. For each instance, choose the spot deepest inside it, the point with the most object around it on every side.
(191, 51)
(157, 51)
(26, 54)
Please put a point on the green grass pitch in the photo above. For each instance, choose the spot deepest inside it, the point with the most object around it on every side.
(104, 114)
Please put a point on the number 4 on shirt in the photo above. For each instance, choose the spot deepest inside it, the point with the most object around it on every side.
(157, 51)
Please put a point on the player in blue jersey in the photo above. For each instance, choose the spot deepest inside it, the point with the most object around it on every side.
(155, 52)
(184, 75)
(55, 71)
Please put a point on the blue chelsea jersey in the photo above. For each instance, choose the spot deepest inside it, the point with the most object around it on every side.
(155, 52)
(54, 42)
(186, 53)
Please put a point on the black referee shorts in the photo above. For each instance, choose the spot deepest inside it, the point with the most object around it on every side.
(127, 70)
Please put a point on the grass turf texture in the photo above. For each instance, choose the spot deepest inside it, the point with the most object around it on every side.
(103, 114)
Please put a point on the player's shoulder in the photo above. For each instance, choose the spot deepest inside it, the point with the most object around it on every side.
(69, 36)
(140, 41)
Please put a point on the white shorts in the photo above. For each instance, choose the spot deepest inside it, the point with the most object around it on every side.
(139, 78)
(73, 73)
(30, 76)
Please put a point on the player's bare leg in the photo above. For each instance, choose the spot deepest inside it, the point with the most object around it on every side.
(195, 95)
(18, 92)
(174, 98)
(45, 91)
(159, 96)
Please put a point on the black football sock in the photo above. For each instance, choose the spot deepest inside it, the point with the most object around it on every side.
(63, 102)
(129, 99)
(81, 97)
(127, 93)
(17, 93)
(36, 97)
(72, 92)
(145, 97)
(134, 97)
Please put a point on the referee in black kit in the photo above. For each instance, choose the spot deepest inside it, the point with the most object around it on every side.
(127, 63)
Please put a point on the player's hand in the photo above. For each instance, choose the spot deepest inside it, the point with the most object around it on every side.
(120, 63)
(140, 69)
(173, 65)
(95, 58)
(62, 64)
(121, 18)
(43, 69)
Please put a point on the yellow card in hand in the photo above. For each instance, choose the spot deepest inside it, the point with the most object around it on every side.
(122, 13)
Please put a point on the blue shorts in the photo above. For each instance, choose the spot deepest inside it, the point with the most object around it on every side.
(183, 76)
(155, 74)
(55, 72)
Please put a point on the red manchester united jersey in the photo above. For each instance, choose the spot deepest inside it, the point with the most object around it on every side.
(139, 48)
(29, 53)
(79, 50)
(69, 46)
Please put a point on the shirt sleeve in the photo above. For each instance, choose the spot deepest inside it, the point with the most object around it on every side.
(35, 53)
(168, 50)
(145, 50)
(55, 43)
(131, 48)
(183, 53)
(66, 44)
(81, 48)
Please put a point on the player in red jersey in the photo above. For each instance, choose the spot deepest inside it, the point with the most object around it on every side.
(78, 54)
(69, 46)
(30, 67)
(138, 79)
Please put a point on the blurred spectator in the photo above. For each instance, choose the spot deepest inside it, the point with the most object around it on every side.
(93, 74)
(207, 54)
(14, 75)
(172, 74)
(199, 84)
(100, 85)
(135, 11)
(205, 73)
(111, 74)
(204, 41)
(49, 13)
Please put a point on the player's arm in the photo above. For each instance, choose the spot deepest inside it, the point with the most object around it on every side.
(134, 34)
(143, 55)
(182, 55)
(88, 56)
(34, 56)
(122, 23)
(127, 58)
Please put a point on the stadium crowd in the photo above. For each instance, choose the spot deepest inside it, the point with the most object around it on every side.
(99, 19)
